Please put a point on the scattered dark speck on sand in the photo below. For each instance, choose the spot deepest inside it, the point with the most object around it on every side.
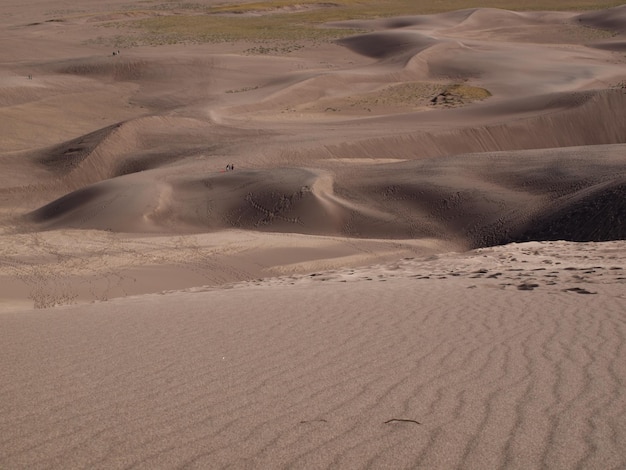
(527, 286)
(578, 290)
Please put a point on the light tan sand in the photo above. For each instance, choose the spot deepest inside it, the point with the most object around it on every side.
(417, 262)
(510, 357)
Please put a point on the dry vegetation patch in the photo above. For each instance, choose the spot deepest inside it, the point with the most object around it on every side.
(403, 96)
(302, 20)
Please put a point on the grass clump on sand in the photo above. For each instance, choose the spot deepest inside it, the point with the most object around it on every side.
(459, 94)
(412, 94)
(402, 96)
(468, 92)
(409, 95)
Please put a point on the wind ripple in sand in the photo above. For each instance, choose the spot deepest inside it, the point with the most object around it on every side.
(269, 376)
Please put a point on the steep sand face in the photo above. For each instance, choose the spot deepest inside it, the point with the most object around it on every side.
(316, 306)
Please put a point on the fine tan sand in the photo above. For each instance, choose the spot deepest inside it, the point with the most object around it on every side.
(418, 260)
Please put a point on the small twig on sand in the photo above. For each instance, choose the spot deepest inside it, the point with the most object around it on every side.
(401, 420)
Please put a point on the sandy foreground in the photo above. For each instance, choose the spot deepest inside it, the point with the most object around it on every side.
(506, 357)
(418, 260)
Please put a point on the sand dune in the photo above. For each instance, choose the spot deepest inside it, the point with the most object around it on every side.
(388, 44)
(417, 260)
(477, 200)
(613, 19)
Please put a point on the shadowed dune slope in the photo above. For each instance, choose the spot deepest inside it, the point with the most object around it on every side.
(279, 200)
(469, 19)
(617, 46)
(598, 214)
(158, 78)
(613, 19)
(548, 121)
(383, 45)
(63, 158)
(132, 146)
(476, 200)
